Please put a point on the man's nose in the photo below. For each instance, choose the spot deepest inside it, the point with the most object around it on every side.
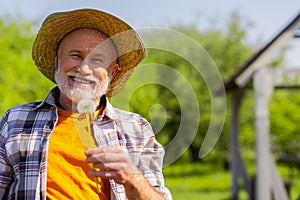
(84, 69)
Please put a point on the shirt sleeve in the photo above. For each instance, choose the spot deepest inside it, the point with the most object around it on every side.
(5, 168)
(151, 161)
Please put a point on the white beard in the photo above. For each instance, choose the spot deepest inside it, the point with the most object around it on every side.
(77, 94)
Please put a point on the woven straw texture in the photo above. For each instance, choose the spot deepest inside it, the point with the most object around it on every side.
(131, 50)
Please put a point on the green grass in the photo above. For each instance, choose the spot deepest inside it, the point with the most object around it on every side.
(209, 181)
(197, 181)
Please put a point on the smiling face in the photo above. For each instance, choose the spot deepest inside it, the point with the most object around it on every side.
(86, 63)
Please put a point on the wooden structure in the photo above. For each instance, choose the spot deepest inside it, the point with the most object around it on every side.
(263, 80)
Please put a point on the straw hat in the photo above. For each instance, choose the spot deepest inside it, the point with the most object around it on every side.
(130, 47)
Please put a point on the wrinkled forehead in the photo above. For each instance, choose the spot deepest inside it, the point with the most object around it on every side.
(89, 38)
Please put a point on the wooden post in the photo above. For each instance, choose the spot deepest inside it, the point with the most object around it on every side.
(263, 89)
(234, 146)
(268, 179)
(237, 167)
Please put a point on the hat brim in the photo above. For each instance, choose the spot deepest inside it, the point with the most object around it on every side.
(56, 26)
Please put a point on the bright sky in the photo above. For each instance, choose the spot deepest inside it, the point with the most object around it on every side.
(267, 17)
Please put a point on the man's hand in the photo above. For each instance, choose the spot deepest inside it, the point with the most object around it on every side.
(114, 163)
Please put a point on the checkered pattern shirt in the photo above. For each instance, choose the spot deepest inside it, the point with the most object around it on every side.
(24, 139)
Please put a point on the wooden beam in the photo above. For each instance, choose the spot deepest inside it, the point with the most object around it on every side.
(282, 77)
(265, 58)
(247, 181)
(279, 190)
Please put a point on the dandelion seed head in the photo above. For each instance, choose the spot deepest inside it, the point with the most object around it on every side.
(86, 106)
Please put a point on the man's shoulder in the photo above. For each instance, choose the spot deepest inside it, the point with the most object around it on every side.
(135, 124)
(25, 115)
(18, 112)
(25, 106)
(127, 115)
(24, 110)
(126, 112)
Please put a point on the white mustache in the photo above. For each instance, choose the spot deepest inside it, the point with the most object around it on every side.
(78, 75)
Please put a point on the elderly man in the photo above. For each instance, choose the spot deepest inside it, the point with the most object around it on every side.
(90, 55)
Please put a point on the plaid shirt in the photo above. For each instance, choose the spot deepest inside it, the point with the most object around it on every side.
(24, 138)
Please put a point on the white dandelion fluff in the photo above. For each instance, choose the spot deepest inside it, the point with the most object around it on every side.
(86, 106)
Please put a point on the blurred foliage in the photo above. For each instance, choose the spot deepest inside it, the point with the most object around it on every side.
(226, 50)
(20, 80)
(285, 122)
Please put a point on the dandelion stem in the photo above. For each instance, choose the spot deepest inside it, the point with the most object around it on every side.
(88, 118)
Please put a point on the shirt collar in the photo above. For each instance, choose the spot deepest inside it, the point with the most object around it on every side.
(109, 110)
(50, 99)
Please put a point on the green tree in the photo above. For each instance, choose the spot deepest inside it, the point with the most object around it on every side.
(20, 81)
(284, 122)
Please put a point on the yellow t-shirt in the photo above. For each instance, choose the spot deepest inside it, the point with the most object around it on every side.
(67, 171)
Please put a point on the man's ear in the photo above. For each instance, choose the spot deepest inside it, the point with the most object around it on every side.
(115, 69)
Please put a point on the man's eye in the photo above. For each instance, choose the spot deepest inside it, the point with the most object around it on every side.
(75, 56)
(97, 60)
